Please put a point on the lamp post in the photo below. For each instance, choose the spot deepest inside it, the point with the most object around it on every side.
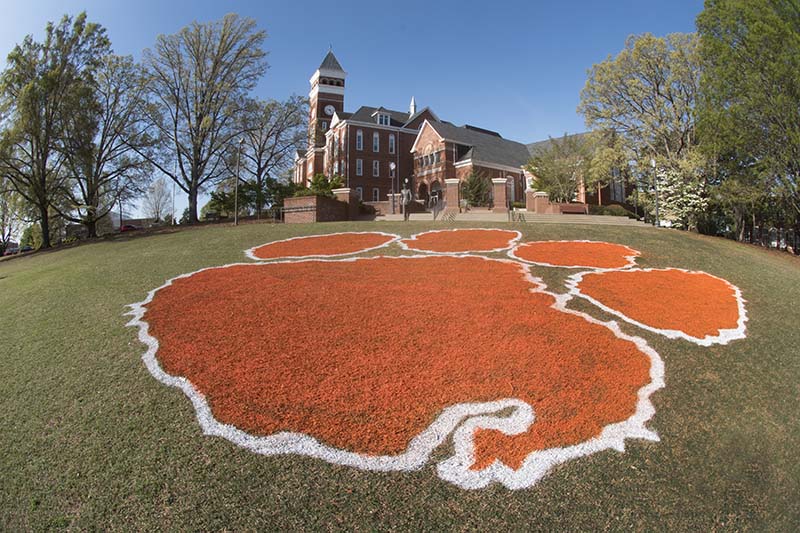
(632, 169)
(655, 185)
(175, 172)
(392, 167)
(236, 185)
(403, 206)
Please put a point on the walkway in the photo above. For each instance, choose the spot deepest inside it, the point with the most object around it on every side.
(530, 218)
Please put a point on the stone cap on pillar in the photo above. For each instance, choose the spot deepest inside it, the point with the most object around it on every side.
(452, 181)
(343, 190)
(540, 193)
(499, 181)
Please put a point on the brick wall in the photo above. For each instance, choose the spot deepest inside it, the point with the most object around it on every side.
(324, 210)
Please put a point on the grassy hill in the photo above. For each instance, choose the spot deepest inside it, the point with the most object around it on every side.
(91, 440)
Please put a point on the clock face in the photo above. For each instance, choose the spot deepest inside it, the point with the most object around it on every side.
(329, 110)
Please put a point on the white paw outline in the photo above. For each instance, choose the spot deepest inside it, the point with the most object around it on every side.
(725, 335)
(459, 420)
(251, 252)
(631, 258)
(404, 243)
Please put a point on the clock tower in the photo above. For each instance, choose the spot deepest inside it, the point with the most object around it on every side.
(325, 98)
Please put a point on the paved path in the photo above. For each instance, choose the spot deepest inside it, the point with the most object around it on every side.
(530, 218)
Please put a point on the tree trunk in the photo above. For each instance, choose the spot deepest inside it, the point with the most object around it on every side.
(193, 205)
(91, 228)
(259, 198)
(599, 195)
(45, 225)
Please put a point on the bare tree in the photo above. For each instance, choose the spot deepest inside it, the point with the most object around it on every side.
(199, 79)
(158, 201)
(103, 143)
(272, 133)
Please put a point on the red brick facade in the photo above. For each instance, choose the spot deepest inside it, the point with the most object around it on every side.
(361, 147)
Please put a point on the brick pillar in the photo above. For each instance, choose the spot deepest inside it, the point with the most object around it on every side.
(396, 198)
(540, 201)
(349, 197)
(530, 200)
(500, 186)
(451, 194)
(582, 190)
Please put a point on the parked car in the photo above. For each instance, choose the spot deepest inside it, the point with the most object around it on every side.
(128, 227)
(11, 251)
(26, 248)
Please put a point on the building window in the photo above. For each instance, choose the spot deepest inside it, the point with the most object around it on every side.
(359, 167)
(376, 194)
(376, 169)
(360, 193)
(391, 143)
(436, 157)
(376, 142)
(383, 120)
(359, 140)
(324, 125)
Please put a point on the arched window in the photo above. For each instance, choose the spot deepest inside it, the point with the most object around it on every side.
(376, 142)
(359, 140)
(391, 143)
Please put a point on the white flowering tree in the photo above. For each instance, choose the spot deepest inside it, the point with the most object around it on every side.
(682, 198)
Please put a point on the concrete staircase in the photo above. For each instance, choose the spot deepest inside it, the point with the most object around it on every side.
(530, 218)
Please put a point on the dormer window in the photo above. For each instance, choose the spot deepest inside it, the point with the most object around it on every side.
(384, 120)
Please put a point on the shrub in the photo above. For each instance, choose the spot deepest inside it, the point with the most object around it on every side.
(613, 210)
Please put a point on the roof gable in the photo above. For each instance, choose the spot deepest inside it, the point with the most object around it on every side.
(330, 63)
(485, 147)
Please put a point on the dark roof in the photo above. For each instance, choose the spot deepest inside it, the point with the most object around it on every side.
(488, 147)
(421, 111)
(365, 114)
(538, 146)
(330, 62)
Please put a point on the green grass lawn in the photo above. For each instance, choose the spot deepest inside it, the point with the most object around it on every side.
(90, 440)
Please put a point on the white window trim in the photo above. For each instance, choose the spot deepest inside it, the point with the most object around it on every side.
(376, 194)
(359, 140)
(376, 169)
(359, 167)
(392, 143)
(360, 193)
(384, 119)
(376, 142)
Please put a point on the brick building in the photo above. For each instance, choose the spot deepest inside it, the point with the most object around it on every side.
(375, 149)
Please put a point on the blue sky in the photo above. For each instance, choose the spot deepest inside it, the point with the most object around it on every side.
(513, 67)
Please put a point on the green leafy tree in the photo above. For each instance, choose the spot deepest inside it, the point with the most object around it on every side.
(199, 78)
(43, 85)
(321, 186)
(647, 94)
(102, 141)
(558, 166)
(748, 115)
(12, 214)
(475, 189)
(608, 162)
